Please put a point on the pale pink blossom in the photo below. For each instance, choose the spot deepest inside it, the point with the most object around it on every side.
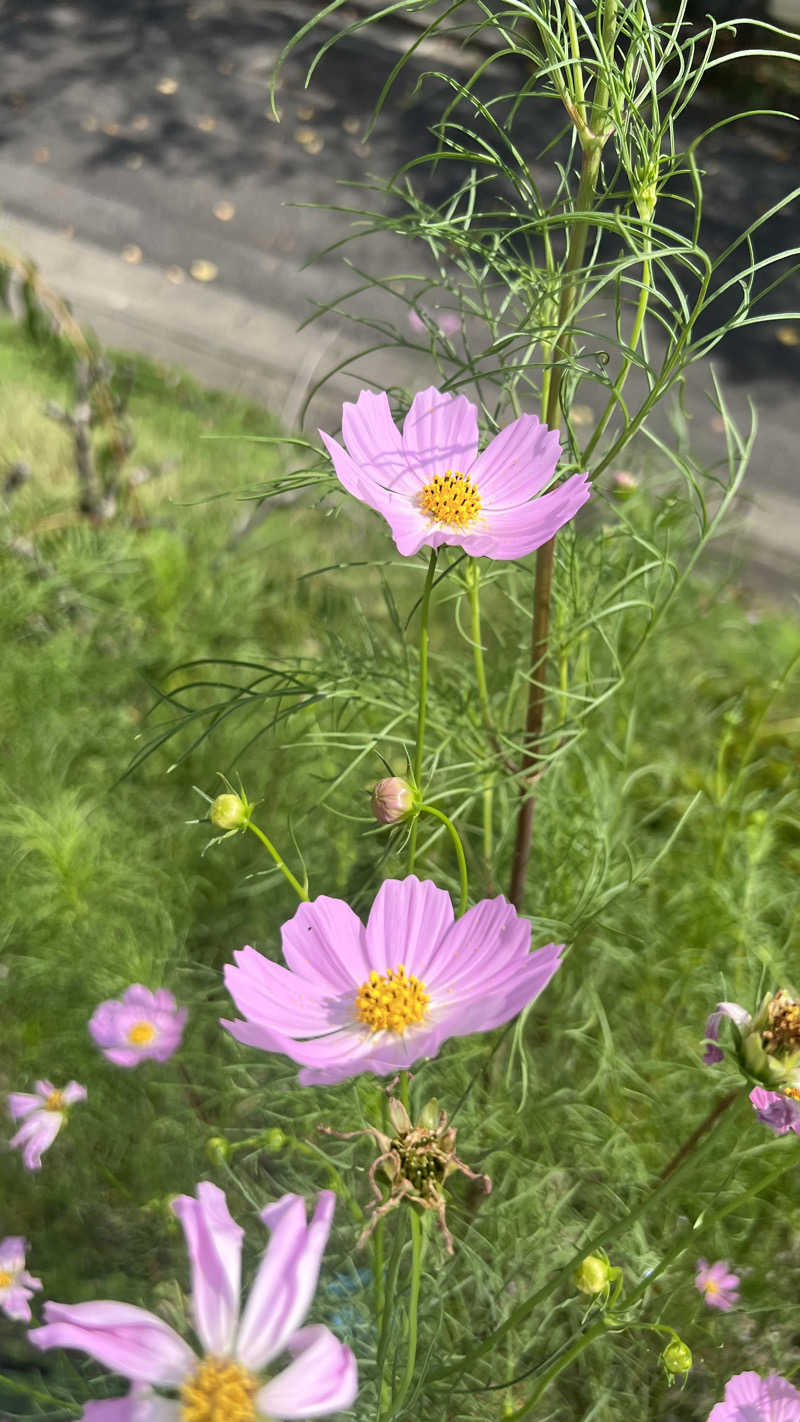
(719, 1287)
(380, 997)
(775, 1109)
(433, 487)
(16, 1284)
(236, 1373)
(750, 1398)
(140, 1026)
(42, 1113)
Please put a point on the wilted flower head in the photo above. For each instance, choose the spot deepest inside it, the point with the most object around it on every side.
(416, 1160)
(140, 1026)
(224, 1383)
(433, 487)
(392, 799)
(42, 1115)
(719, 1287)
(750, 1398)
(777, 1109)
(16, 1284)
(767, 1045)
(380, 997)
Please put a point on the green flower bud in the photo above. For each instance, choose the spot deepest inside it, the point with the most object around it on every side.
(392, 799)
(217, 1149)
(677, 1358)
(593, 1274)
(275, 1140)
(229, 812)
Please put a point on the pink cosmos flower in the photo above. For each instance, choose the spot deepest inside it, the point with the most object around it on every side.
(781, 1113)
(448, 322)
(16, 1284)
(736, 1014)
(357, 999)
(42, 1116)
(141, 1025)
(223, 1383)
(750, 1398)
(717, 1285)
(433, 487)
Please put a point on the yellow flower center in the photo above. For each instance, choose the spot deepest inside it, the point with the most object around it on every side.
(55, 1101)
(219, 1391)
(451, 498)
(711, 1287)
(6, 1280)
(391, 1001)
(141, 1033)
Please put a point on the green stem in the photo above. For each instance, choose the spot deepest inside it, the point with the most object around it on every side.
(459, 849)
(404, 1089)
(474, 585)
(302, 893)
(540, 620)
(559, 1365)
(413, 1307)
(641, 311)
(602, 1239)
(422, 698)
(386, 1321)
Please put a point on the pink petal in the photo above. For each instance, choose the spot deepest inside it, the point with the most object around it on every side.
(737, 1015)
(358, 481)
(214, 1242)
(518, 463)
(325, 942)
(287, 1277)
(513, 533)
(140, 1405)
(36, 1135)
(128, 1340)
(266, 992)
(440, 432)
(488, 934)
(322, 1379)
(407, 920)
(343, 1052)
(21, 1103)
(374, 443)
(73, 1093)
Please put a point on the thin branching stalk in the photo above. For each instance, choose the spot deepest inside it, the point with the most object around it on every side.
(422, 696)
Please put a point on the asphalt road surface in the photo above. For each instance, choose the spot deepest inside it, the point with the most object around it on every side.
(145, 130)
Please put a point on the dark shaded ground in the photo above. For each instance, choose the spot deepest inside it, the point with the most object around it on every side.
(91, 141)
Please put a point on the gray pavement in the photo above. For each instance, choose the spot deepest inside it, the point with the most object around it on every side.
(136, 141)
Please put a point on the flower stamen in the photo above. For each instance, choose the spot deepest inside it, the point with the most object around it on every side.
(219, 1391)
(6, 1279)
(451, 498)
(391, 1001)
(782, 1035)
(141, 1033)
(55, 1101)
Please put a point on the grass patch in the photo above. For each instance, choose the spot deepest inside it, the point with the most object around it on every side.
(106, 884)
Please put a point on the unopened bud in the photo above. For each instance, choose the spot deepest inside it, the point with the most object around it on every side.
(392, 799)
(625, 484)
(275, 1140)
(229, 812)
(217, 1149)
(677, 1358)
(592, 1274)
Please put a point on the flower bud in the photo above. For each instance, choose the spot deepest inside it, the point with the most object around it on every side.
(392, 799)
(229, 812)
(624, 484)
(217, 1149)
(592, 1275)
(275, 1140)
(677, 1358)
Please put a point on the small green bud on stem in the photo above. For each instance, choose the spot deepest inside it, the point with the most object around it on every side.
(677, 1358)
(593, 1274)
(229, 812)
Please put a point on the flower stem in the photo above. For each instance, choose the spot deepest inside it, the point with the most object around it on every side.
(602, 1239)
(422, 697)
(302, 892)
(459, 849)
(562, 350)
